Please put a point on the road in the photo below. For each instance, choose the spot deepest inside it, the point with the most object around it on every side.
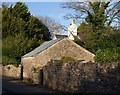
(19, 88)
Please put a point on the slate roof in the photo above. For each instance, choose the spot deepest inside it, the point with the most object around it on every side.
(59, 36)
(41, 48)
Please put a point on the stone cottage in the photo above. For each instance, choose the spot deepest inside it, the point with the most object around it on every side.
(54, 49)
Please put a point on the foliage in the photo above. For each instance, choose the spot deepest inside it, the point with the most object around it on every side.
(109, 54)
(97, 19)
(13, 17)
(20, 10)
(7, 60)
(105, 43)
(79, 42)
(67, 59)
(96, 14)
(22, 32)
(36, 29)
(84, 31)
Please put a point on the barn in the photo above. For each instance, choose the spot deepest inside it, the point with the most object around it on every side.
(53, 49)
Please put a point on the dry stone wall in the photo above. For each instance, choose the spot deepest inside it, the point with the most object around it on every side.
(11, 71)
(36, 76)
(82, 77)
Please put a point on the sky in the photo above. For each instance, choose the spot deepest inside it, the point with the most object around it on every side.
(50, 9)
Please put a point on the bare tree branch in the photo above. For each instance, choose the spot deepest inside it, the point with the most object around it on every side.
(53, 26)
(82, 9)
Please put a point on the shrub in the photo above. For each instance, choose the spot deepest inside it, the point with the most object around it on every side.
(67, 59)
(15, 47)
(103, 55)
(79, 42)
(7, 60)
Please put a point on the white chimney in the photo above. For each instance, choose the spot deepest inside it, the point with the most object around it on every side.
(72, 30)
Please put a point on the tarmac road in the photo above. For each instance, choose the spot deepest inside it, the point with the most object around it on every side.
(14, 87)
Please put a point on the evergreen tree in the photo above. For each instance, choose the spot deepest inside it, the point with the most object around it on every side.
(22, 32)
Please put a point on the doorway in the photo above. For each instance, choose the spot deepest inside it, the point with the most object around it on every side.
(41, 76)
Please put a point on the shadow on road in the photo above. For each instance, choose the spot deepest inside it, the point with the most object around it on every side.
(17, 87)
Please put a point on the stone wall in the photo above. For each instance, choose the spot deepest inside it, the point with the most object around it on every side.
(15, 72)
(82, 77)
(28, 63)
(11, 71)
(36, 75)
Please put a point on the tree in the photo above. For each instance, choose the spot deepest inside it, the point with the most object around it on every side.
(96, 14)
(19, 16)
(11, 20)
(21, 10)
(21, 32)
(53, 26)
(37, 29)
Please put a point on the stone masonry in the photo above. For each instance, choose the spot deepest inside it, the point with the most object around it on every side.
(11, 71)
(82, 77)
